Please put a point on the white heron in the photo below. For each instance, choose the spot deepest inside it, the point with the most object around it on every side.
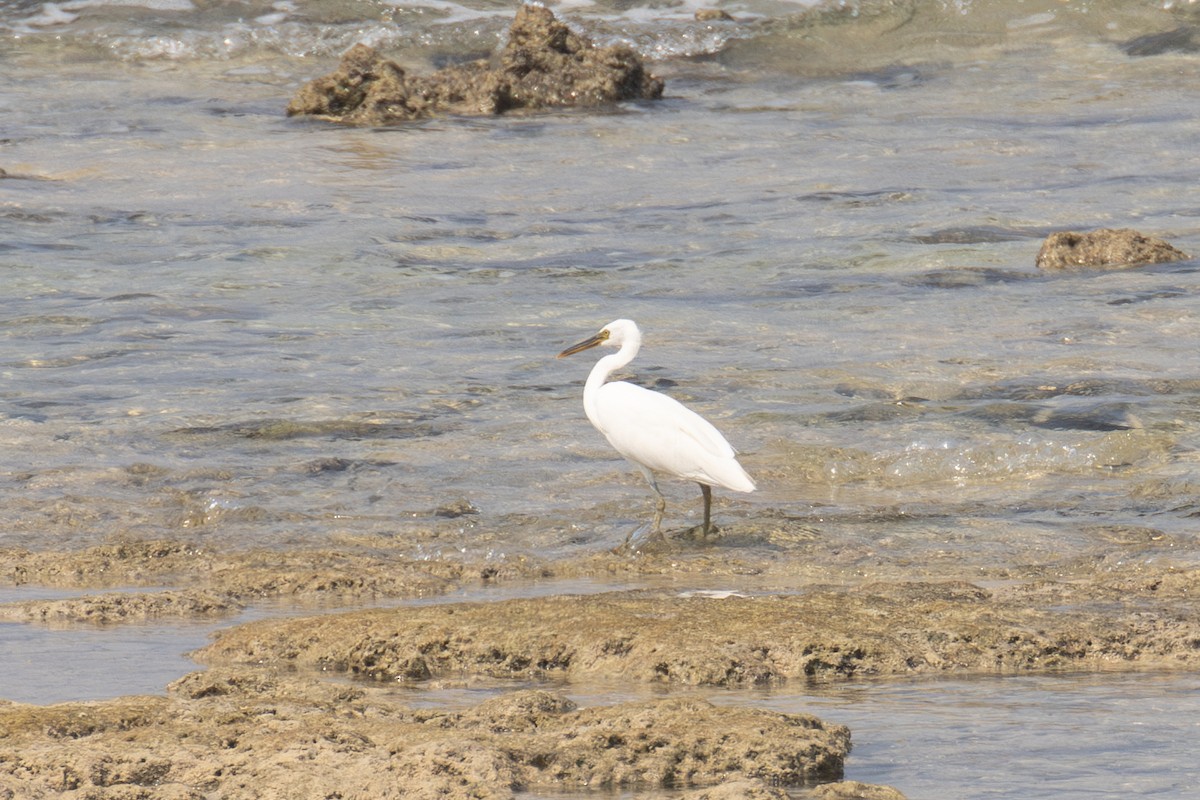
(657, 433)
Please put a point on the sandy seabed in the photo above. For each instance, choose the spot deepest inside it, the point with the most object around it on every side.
(307, 705)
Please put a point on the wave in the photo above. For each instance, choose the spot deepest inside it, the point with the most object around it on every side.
(832, 36)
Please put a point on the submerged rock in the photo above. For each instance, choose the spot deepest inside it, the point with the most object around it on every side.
(1185, 39)
(543, 65)
(1105, 248)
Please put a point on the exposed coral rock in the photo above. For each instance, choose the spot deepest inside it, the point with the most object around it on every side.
(249, 734)
(713, 15)
(259, 724)
(854, 790)
(753, 789)
(1104, 248)
(212, 583)
(112, 607)
(878, 629)
(543, 65)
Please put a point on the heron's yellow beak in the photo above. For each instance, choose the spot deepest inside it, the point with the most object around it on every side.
(586, 344)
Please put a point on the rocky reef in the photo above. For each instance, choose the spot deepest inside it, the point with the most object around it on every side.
(544, 65)
(1105, 248)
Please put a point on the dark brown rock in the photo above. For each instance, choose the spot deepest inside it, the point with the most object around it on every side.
(543, 65)
(1105, 248)
(1185, 39)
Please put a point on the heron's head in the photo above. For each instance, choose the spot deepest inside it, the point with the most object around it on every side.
(617, 333)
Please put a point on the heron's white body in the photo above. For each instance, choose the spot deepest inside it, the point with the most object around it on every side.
(661, 434)
(657, 433)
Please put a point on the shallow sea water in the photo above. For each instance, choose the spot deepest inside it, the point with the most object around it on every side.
(223, 325)
(1073, 737)
(207, 299)
(1070, 737)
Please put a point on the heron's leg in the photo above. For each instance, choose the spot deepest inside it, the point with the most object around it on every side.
(660, 506)
(707, 491)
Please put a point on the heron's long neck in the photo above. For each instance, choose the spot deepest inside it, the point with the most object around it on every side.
(600, 373)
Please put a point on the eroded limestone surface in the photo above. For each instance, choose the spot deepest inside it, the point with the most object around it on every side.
(1105, 248)
(544, 65)
(309, 705)
(249, 733)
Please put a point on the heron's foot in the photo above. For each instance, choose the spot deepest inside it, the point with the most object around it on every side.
(700, 534)
(639, 538)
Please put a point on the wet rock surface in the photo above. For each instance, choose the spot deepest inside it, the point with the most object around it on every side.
(249, 733)
(543, 65)
(855, 790)
(309, 704)
(731, 641)
(228, 578)
(110, 608)
(1106, 248)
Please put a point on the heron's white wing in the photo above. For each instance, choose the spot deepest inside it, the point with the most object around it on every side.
(660, 433)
